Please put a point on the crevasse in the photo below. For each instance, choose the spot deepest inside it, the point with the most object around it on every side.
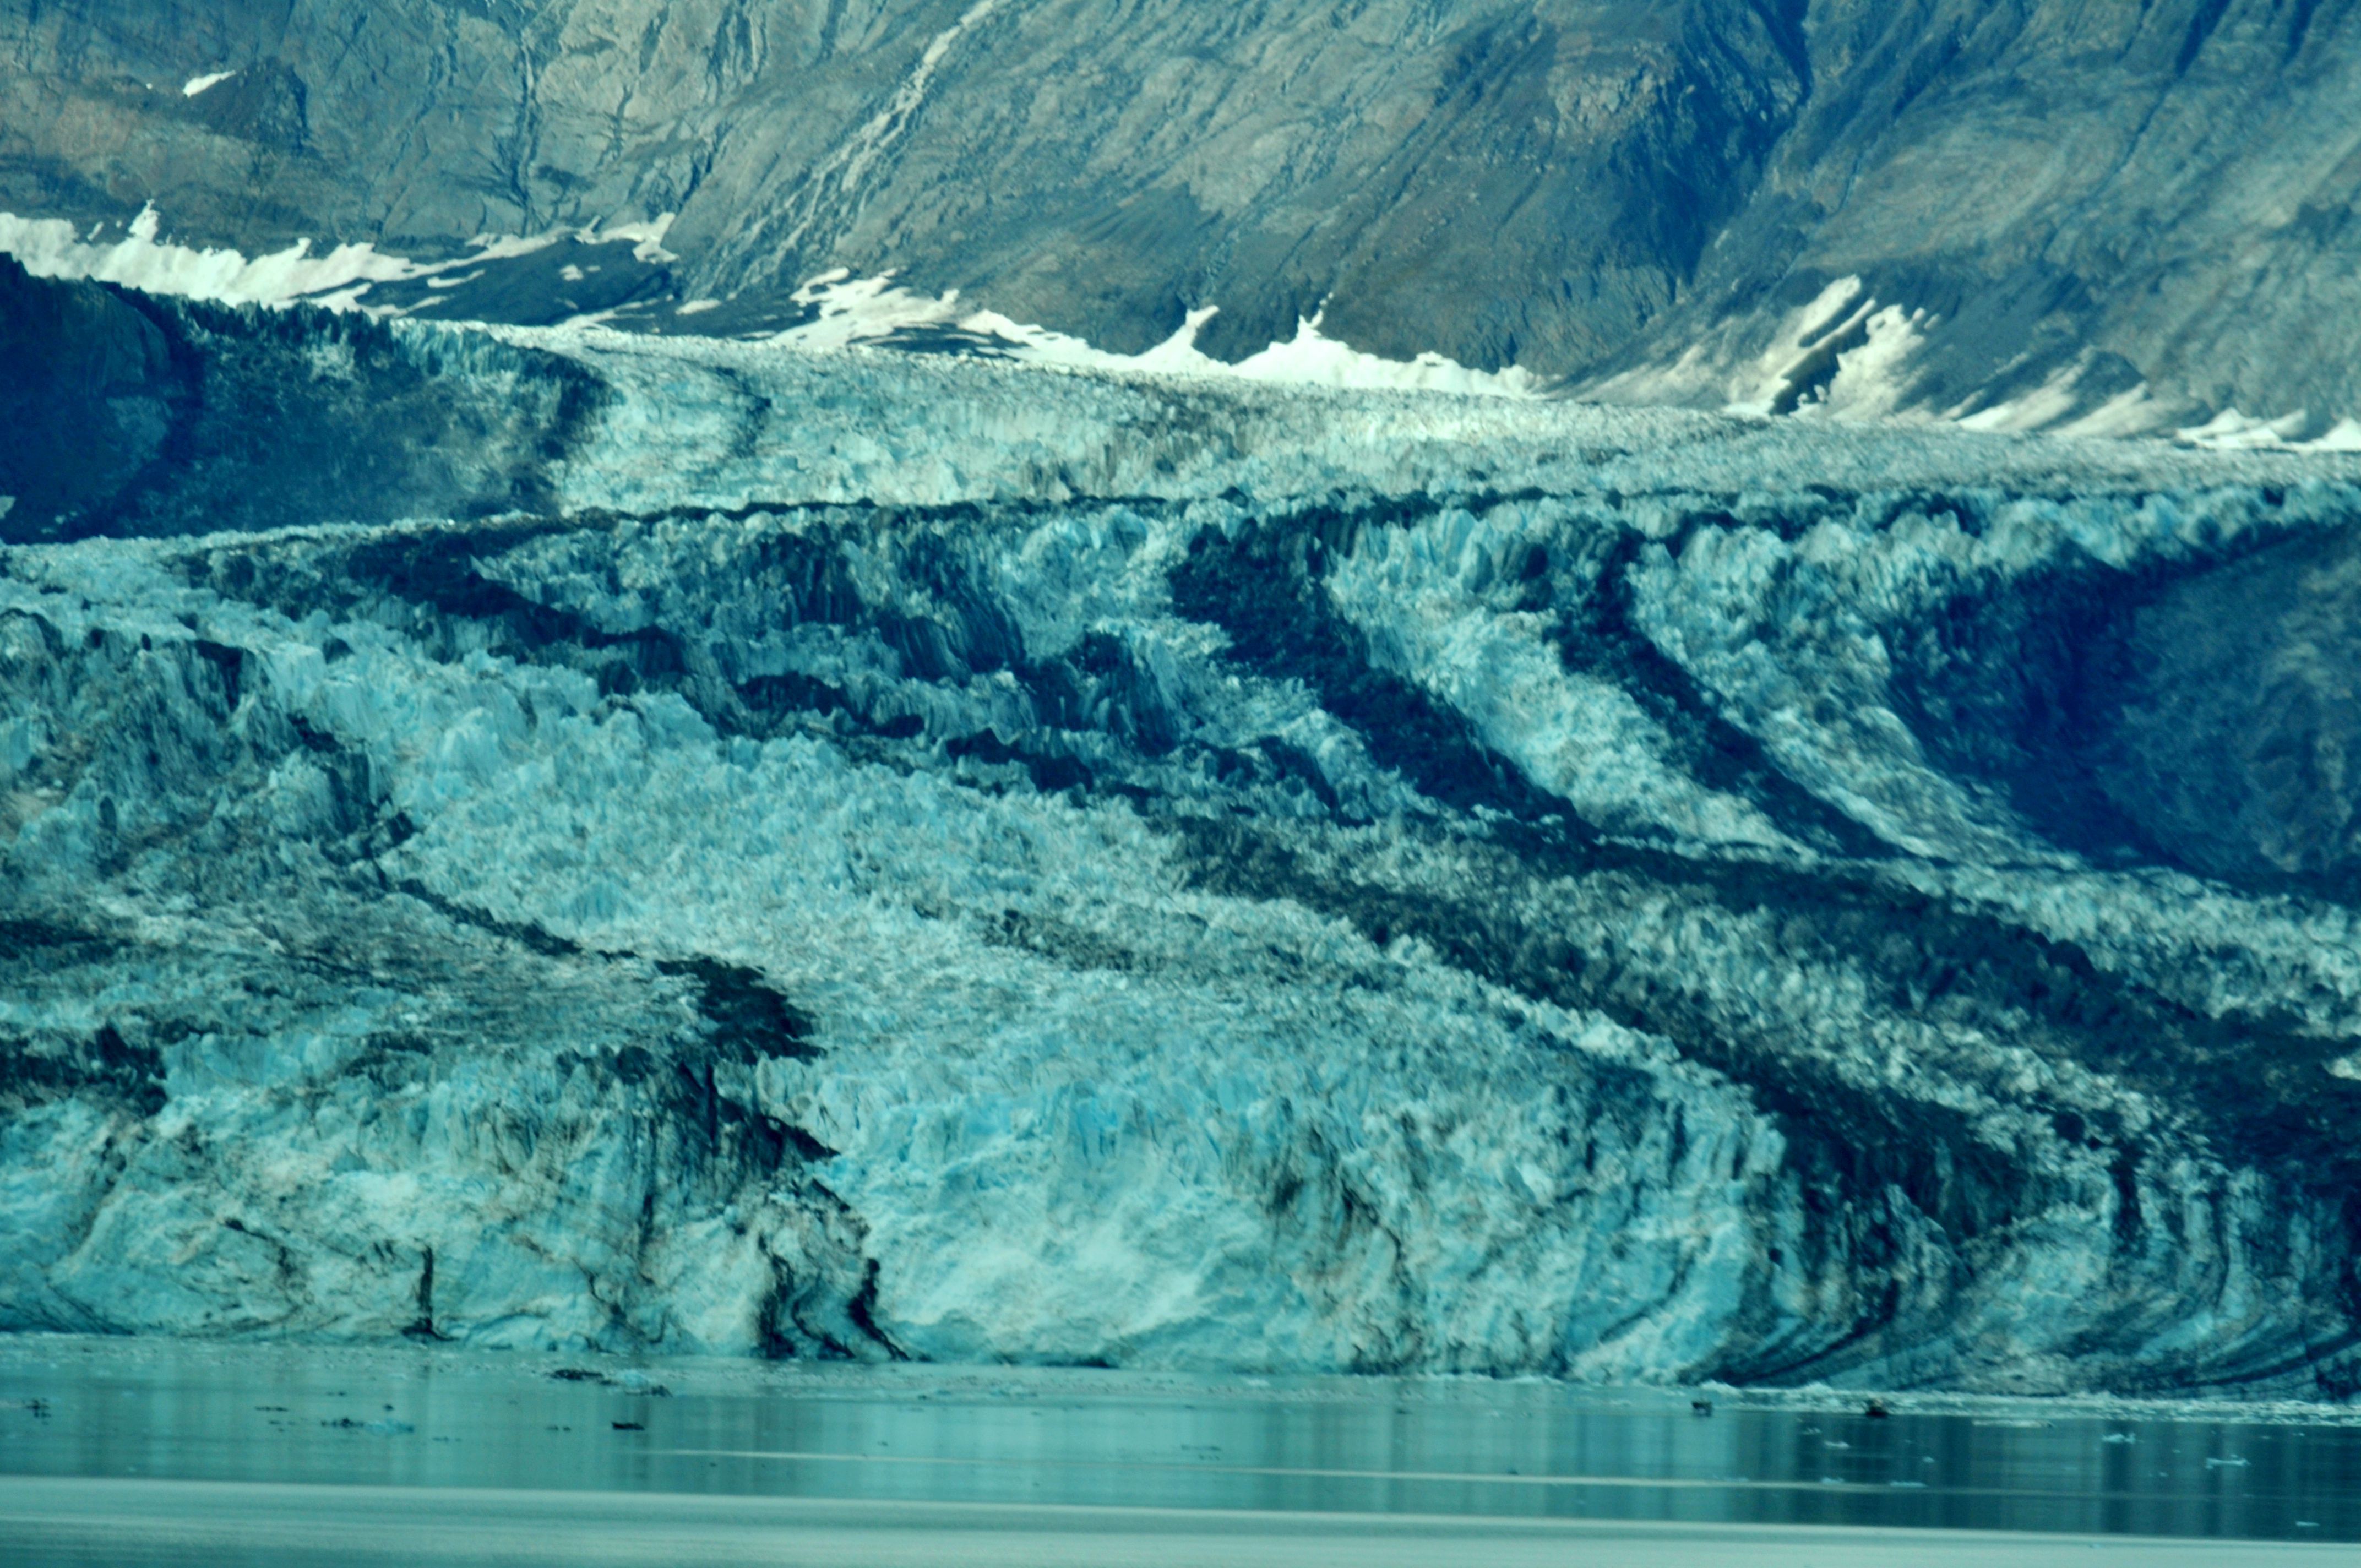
(868, 855)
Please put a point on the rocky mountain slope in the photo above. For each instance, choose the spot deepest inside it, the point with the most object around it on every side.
(2033, 213)
(867, 854)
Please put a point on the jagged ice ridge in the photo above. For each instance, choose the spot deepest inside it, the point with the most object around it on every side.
(885, 855)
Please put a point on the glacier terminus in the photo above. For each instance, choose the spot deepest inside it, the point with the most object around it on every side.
(587, 841)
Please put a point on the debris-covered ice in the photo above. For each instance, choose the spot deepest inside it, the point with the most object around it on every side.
(856, 854)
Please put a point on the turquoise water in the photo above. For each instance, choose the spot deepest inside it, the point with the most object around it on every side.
(1432, 1447)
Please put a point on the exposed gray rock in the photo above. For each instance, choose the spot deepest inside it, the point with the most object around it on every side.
(2146, 211)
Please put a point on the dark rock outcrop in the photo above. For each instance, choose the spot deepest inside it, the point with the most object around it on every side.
(2147, 210)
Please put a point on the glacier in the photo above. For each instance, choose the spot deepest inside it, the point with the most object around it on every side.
(717, 848)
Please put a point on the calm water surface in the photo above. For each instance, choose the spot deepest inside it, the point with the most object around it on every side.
(1446, 1447)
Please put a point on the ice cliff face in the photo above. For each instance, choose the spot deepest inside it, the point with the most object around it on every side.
(865, 855)
(2121, 218)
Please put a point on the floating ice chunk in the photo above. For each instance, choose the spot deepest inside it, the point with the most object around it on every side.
(196, 84)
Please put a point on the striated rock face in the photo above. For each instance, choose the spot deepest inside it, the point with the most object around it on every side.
(2046, 215)
(894, 856)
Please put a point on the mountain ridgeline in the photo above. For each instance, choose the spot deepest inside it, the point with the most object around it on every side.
(2115, 218)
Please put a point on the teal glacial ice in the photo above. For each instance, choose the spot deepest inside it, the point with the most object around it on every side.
(880, 855)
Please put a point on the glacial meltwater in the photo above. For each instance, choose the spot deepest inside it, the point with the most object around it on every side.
(119, 1450)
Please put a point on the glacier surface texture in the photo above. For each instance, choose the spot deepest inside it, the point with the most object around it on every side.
(559, 838)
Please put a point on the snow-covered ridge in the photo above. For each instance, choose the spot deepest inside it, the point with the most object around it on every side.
(1847, 356)
(850, 310)
(50, 248)
(1844, 356)
(338, 279)
(842, 310)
